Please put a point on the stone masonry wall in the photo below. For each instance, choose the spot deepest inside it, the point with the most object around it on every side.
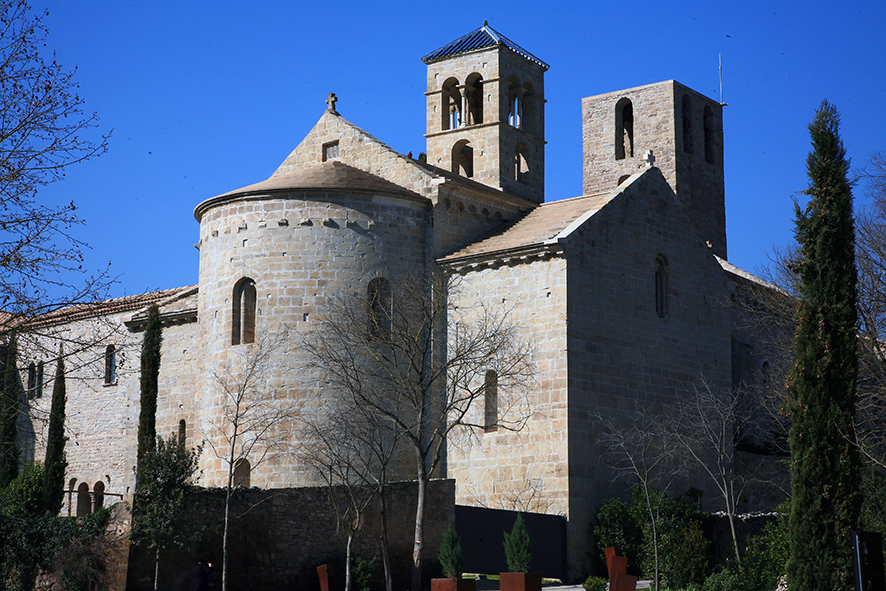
(658, 126)
(494, 140)
(279, 537)
(624, 357)
(101, 420)
(526, 469)
(303, 250)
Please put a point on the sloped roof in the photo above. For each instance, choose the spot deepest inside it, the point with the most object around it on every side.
(540, 226)
(113, 306)
(485, 36)
(332, 175)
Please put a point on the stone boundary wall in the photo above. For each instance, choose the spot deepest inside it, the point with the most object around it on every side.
(280, 536)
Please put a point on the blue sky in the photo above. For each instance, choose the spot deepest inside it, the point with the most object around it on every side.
(204, 98)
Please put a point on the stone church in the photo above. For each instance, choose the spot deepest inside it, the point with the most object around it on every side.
(621, 289)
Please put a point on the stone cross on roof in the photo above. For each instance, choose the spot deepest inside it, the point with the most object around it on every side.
(330, 103)
(649, 159)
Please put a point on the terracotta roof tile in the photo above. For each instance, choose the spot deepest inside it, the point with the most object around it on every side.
(325, 175)
(113, 306)
(535, 228)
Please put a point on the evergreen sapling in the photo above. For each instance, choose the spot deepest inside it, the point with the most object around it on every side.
(450, 555)
(518, 547)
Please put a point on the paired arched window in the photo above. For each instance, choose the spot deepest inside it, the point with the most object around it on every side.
(110, 365)
(661, 286)
(84, 500)
(474, 92)
(450, 104)
(243, 312)
(708, 135)
(99, 494)
(380, 309)
(624, 129)
(687, 124)
(242, 474)
(463, 158)
(490, 401)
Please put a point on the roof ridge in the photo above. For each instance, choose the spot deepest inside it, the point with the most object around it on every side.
(479, 38)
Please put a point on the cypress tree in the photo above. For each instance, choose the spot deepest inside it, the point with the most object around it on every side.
(150, 372)
(823, 382)
(55, 462)
(9, 409)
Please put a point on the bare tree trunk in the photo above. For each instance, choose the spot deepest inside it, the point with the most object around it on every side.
(348, 561)
(730, 510)
(385, 556)
(419, 530)
(225, 542)
(652, 522)
(156, 566)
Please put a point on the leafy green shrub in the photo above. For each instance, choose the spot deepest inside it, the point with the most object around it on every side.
(683, 549)
(24, 495)
(728, 579)
(30, 543)
(362, 568)
(593, 583)
(766, 557)
(518, 547)
(450, 554)
(617, 528)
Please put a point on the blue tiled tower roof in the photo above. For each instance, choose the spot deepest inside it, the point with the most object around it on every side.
(485, 36)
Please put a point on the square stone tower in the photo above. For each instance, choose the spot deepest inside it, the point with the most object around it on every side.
(485, 116)
(684, 131)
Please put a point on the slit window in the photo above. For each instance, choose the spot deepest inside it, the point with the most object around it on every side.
(661, 286)
(243, 312)
(490, 401)
(110, 364)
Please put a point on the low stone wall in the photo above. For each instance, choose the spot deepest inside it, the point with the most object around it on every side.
(278, 537)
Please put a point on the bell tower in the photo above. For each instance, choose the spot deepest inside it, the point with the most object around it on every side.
(485, 112)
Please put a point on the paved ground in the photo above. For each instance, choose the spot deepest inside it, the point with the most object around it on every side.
(483, 584)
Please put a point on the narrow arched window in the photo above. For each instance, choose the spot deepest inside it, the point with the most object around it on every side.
(463, 159)
(661, 286)
(39, 391)
(475, 99)
(521, 164)
(32, 380)
(110, 365)
(708, 135)
(84, 500)
(380, 309)
(241, 473)
(515, 101)
(450, 105)
(624, 129)
(243, 312)
(182, 426)
(98, 496)
(490, 401)
(687, 124)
